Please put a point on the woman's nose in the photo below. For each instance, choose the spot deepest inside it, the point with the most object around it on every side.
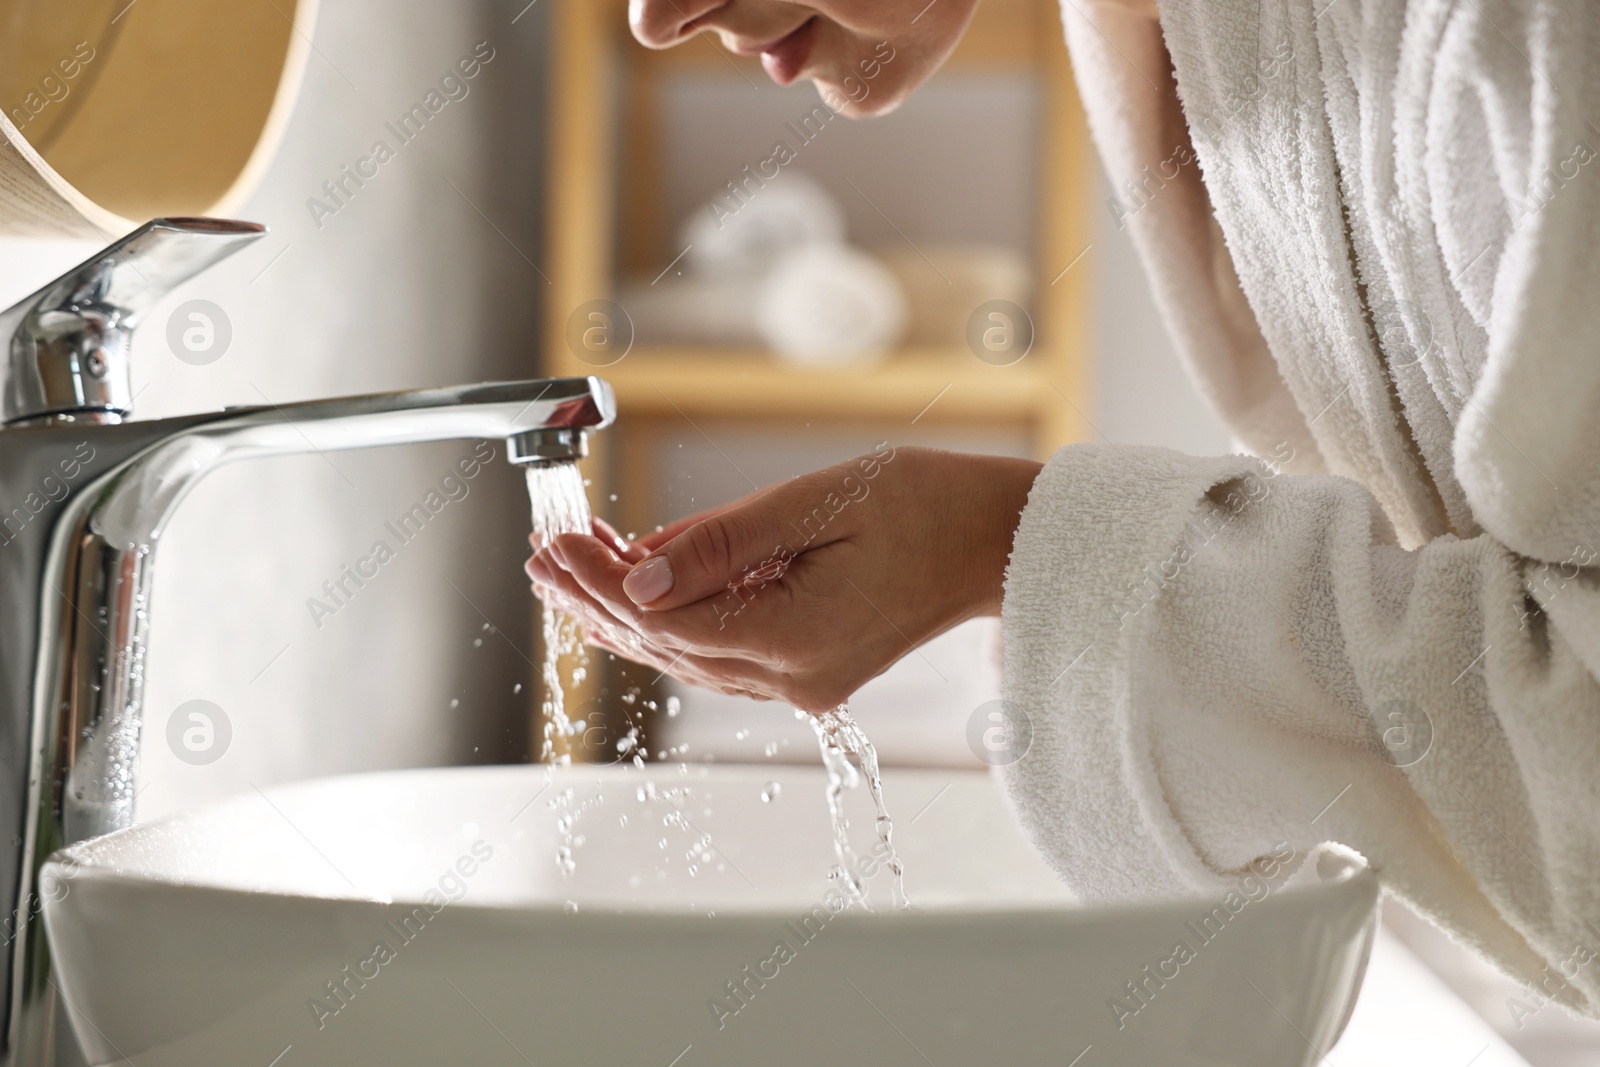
(664, 23)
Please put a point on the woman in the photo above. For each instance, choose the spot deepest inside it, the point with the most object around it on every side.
(1372, 229)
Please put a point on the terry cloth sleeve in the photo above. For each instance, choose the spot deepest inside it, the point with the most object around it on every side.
(1217, 657)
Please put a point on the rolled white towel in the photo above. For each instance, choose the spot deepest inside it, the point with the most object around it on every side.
(738, 238)
(827, 304)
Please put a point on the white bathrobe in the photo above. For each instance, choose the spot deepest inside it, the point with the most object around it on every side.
(1385, 632)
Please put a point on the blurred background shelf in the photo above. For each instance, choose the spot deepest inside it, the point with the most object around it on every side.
(612, 193)
(934, 384)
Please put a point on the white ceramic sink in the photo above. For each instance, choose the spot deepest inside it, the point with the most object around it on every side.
(212, 937)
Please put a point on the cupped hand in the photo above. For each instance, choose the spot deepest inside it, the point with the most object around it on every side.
(804, 591)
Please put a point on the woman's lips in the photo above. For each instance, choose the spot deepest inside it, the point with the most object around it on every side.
(787, 58)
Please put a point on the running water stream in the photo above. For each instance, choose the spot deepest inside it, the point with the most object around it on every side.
(559, 504)
(838, 738)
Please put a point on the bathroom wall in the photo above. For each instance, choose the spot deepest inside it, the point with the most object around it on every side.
(424, 276)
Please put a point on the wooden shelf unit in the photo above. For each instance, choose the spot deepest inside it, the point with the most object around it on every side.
(597, 68)
(603, 93)
(936, 384)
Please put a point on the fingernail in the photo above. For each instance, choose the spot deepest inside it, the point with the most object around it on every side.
(537, 570)
(649, 581)
(559, 556)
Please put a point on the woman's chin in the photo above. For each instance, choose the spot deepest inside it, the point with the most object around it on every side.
(870, 105)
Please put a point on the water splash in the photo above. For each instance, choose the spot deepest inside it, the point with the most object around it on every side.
(839, 737)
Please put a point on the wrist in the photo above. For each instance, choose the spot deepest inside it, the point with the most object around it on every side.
(1003, 485)
(975, 503)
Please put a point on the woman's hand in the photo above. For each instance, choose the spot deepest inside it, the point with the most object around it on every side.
(804, 591)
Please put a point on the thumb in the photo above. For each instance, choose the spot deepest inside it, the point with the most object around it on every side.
(722, 548)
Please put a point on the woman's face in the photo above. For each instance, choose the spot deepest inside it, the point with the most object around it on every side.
(865, 56)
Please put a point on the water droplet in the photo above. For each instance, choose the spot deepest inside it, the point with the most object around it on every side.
(570, 907)
(455, 703)
(622, 820)
(516, 688)
(770, 793)
(674, 705)
(771, 750)
(740, 735)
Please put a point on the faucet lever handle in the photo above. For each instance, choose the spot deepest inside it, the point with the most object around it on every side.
(69, 343)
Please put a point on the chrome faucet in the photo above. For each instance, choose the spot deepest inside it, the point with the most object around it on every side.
(85, 495)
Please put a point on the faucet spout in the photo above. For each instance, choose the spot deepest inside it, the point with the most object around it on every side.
(136, 505)
(555, 445)
(75, 579)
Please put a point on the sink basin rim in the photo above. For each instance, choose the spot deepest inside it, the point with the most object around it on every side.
(91, 860)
